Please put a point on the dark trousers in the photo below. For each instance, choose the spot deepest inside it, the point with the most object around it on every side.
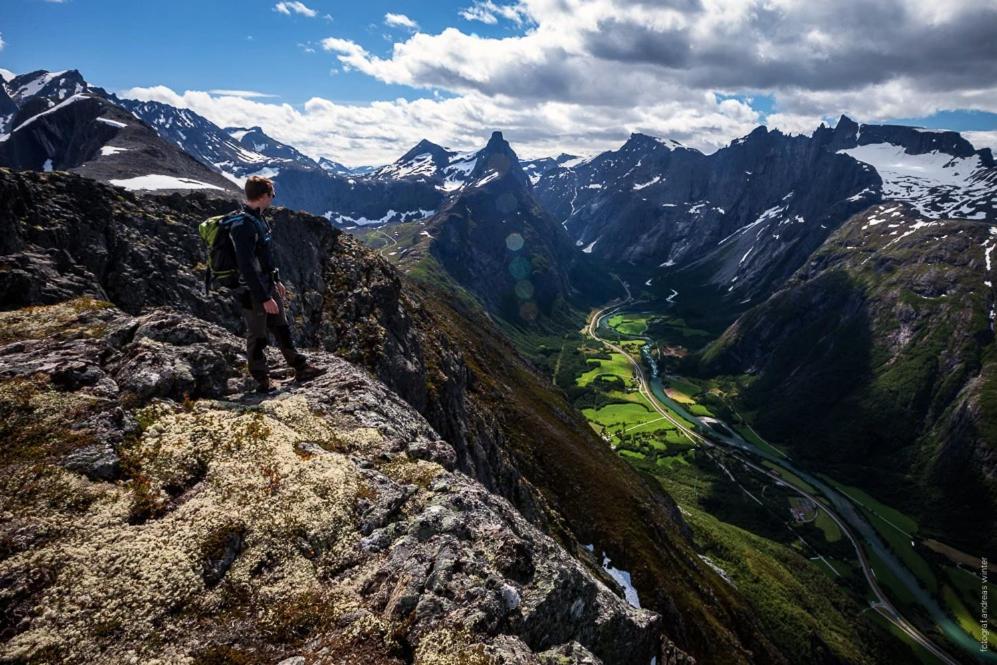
(259, 326)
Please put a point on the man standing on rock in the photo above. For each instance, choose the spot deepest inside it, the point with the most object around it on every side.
(262, 295)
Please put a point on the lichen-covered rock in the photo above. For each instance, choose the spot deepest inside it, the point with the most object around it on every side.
(311, 524)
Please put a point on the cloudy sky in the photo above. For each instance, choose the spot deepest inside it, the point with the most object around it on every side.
(361, 82)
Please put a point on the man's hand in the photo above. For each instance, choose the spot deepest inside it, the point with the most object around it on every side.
(282, 291)
(270, 306)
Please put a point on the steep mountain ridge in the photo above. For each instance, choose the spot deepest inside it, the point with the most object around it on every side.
(885, 341)
(744, 218)
(503, 424)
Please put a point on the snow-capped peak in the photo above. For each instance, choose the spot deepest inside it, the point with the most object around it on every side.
(55, 85)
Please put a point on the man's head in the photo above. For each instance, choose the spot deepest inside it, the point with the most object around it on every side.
(260, 192)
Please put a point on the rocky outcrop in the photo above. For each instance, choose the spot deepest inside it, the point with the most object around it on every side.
(65, 237)
(324, 522)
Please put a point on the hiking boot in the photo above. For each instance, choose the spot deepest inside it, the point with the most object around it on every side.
(264, 386)
(307, 372)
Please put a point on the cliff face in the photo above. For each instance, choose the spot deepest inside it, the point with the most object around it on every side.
(63, 237)
(150, 513)
(885, 340)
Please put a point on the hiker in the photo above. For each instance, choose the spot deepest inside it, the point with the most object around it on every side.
(261, 293)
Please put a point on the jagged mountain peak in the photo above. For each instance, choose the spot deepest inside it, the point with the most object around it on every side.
(451, 170)
(496, 139)
(846, 124)
(256, 140)
(848, 133)
(497, 160)
(497, 145)
(240, 133)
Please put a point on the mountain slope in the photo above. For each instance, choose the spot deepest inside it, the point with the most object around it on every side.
(885, 341)
(502, 423)
(63, 123)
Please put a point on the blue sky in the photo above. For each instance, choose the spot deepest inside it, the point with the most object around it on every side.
(553, 77)
(190, 45)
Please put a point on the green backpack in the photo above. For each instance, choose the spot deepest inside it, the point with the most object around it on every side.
(222, 265)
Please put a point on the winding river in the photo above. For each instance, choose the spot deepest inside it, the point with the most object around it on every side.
(837, 505)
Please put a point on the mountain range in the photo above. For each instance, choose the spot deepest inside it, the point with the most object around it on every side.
(845, 280)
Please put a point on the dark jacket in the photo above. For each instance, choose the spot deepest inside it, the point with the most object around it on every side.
(251, 237)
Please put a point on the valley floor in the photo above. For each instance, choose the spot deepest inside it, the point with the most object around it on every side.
(824, 563)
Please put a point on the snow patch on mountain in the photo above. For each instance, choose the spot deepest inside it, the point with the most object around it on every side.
(390, 216)
(71, 100)
(576, 162)
(156, 181)
(108, 150)
(420, 165)
(112, 123)
(265, 172)
(622, 577)
(771, 213)
(490, 176)
(937, 184)
(33, 86)
(458, 171)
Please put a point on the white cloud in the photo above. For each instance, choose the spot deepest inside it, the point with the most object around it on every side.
(486, 11)
(809, 56)
(981, 139)
(348, 49)
(248, 94)
(379, 132)
(2, 42)
(792, 123)
(580, 75)
(295, 7)
(400, 21)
